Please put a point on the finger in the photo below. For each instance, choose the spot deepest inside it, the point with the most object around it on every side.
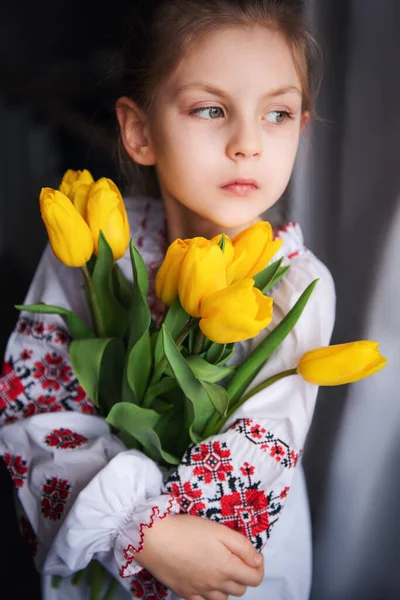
(216, 595)
(233, 589)
(241, 547)
(241, 573)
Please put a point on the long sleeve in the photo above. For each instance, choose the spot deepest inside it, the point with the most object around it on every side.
(242, 476)
(52, 442)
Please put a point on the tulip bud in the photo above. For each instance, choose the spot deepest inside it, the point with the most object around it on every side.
(254, 247)
(203, 273)
(105, 211)
(167, 279)
(236, 313)
(341, 363)
(72, 177)
(69, 235)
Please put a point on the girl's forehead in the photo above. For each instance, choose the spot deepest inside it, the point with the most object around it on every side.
(236, 57)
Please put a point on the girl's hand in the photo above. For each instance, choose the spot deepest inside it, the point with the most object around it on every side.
(200, 559)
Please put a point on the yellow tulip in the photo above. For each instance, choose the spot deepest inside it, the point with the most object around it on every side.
(79, 196)
(106, 211)
(69, 235)
(228, 250)
(238, 312)
(342, 363)
(72, 177)
(167, 279)
(203, 273)
(254, 247)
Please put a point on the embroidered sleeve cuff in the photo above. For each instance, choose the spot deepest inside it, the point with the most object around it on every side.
(111, 515)
(131, 537)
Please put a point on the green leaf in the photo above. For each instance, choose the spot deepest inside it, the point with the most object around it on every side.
(199, 405)
(97, 363)
(140, 423)
(206, 371)
(218, 396)
(222, 242)
(227, 354)
(165, 385)
(215, 352)
(175, 320)
(122, 287)
(140, 355)
(279, 275)
(262, 279)
(76, 326)
(256, 359)
(115, 315)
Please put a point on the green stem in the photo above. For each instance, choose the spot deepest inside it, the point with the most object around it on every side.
(116, 285)
(56, 581)
(96, 573)
(160, 368)
(111, 589)
(199, 342)
(94, 304)
(215, 423)
(77, 578)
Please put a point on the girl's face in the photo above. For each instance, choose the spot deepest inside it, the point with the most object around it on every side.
(230, 111)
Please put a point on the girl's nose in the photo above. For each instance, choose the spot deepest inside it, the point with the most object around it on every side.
(245, 142)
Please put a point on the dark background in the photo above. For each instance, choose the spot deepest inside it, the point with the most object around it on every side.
(58, 84)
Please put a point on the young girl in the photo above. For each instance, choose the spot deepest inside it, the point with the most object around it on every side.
(217, 95)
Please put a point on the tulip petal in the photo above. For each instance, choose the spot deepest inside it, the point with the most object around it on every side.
(236, 313)
(70, 237)
(106, 212)
(203, 273)
(254, 248)
(167, 279)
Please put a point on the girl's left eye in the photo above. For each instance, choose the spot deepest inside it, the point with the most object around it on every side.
(214, 112)
(278, 116)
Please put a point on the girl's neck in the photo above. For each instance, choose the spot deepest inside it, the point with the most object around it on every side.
(183, 223)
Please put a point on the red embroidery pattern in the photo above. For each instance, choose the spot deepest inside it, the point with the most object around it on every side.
(36, 379)
(11, 386)
(267, 442)
(130, 551)
(213, 462)
(208, 484)
(146, 587)
(245, 511)
(54, 497)
(65, 439)
(28, 534)
(190, 498)
(52, 371)
(17, 468)
(42, 331)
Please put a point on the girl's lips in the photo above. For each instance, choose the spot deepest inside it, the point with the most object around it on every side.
(239, 189)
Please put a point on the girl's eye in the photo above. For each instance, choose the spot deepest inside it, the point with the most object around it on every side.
(214, 112)
(278, 116)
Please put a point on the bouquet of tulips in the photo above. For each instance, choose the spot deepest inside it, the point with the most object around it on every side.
(163, 387)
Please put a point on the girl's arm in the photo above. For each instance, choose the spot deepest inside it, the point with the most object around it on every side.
(78, 489)
(50, 439)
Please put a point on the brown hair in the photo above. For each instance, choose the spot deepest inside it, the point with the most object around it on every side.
(163, 30)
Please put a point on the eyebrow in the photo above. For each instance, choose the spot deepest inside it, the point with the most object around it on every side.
(286, 89)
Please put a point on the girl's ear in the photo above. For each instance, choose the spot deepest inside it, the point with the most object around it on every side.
(134, 130)
(305, 117)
